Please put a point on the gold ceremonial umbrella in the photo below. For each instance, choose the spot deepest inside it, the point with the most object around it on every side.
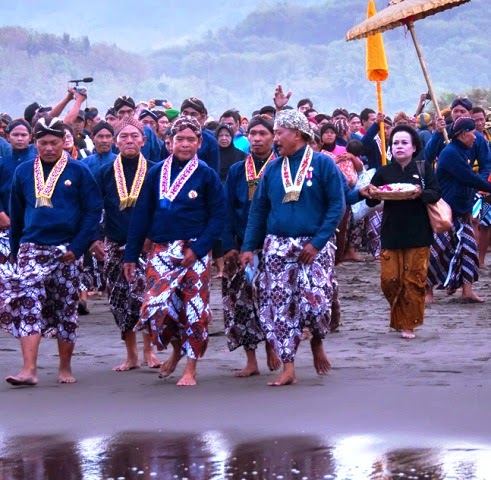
(377, 71)
(405, 13)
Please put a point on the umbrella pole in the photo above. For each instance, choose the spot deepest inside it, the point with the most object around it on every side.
(410, 26)
(380, 107)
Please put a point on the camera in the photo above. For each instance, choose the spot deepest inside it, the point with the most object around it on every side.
(81, 90)
(160, 103)
(428, 96)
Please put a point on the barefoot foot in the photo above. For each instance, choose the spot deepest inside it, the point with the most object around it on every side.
(285, 378)
(473, 298)
(187, 380)
(22, 378)
(321, 363)
(168, 367)
(409, 334)
(248, 371)
(127, 366)
(65, 376)
(150, 359)
(272, 359)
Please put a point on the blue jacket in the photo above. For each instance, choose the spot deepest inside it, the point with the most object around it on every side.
(197, 212)
(316, 214)
(97, 160)
(8, 164)
(74, 218)
(456, 178)
(479, 152)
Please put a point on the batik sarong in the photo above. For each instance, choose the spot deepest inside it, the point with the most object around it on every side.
(176, 304)
(39, 295)
(125, 299)
(453, 256)
(291, 295)
(242, 326)
(403, 281)
(484, 210)
(4, 246)
(93, 278)
(374, 227)
(357, 233)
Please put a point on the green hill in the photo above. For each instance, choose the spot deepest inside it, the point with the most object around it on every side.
(302, 47)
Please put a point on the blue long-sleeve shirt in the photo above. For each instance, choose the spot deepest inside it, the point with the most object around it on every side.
(371, 149)
(116, 221)
(5, 147)
(8, 164)
(479, 152)
(153, 145)
(74, 218)
(238, 204)
(456, 178)
(316, 214)
(198, 212)
(97, 160)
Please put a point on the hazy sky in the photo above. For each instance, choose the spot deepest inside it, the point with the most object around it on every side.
(133, 25)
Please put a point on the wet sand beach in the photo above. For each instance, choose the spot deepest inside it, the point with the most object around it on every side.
(385, 395)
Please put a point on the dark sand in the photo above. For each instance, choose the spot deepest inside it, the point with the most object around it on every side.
(415, 393)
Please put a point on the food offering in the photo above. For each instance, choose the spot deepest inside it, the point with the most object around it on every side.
(393, 191)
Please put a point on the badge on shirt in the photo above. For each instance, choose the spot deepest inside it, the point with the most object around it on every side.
(192, 194)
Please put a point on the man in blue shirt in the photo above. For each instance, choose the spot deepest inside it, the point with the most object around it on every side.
(293, 217)
(55, 208)
(120, 183)
(242, 325)
(181, 209)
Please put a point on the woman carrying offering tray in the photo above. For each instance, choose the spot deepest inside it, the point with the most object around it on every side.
(406, 233)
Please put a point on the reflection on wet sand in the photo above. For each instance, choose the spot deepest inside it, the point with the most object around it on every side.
(211, 456)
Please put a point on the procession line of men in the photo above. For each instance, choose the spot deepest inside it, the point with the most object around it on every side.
(160, 222)
(277, 218)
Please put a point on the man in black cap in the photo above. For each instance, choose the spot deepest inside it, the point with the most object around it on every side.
(103, 138)
(479, 153)
(181, 209)
(209, 151)
(92, 118)
(242, 325)
(125, 106)
(120, 183)
(55, 207)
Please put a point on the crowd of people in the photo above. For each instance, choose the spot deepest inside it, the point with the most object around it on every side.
(142, 202)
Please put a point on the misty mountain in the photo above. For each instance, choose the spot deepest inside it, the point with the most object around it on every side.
(300, 46)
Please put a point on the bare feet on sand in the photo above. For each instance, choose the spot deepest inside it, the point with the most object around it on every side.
(65, 376)
(272, 359)
(187, 380)
(321, 362)
(23, 378)
(285, 378)
(127, 366)
(352, 256)
(248, 371)
(168, 367)
(409, 334)
(151, 359)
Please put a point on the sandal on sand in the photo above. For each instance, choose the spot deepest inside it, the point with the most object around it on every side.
(408, 334)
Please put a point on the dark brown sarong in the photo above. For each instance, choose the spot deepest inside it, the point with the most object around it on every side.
(403, 281)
